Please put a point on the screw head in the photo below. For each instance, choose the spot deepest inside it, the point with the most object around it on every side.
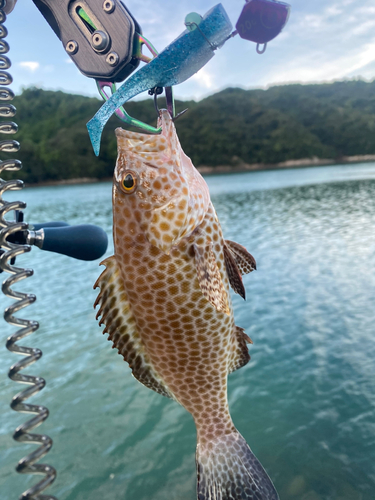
(112, 58)
(71, 47)
(100, 41)
(109, 6)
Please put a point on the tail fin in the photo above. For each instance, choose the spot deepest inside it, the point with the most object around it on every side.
(228, 470)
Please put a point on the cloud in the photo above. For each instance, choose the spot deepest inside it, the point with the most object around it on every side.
(335, 42)
(204, 78)
(32, 66)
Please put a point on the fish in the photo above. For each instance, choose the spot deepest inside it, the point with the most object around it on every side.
(165, 302)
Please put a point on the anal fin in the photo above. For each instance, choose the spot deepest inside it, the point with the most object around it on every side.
(119, 323)
(240, 354)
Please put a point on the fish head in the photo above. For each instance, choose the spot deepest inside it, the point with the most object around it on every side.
(157, 186)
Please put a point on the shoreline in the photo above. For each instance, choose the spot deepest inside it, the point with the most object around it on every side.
(289, 164)
(227, 169)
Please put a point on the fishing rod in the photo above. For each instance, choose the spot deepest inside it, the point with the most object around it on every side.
(105, 42)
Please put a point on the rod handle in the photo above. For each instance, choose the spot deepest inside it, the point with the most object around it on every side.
(83, 242)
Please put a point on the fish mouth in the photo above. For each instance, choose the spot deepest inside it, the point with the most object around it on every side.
(140, 144)
(152, 149)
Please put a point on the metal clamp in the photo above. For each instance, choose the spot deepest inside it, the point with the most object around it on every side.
(99, 36)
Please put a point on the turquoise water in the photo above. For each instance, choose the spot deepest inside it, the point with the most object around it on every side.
(305, 402)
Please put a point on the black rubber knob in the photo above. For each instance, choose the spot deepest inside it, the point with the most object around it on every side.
(84, 242)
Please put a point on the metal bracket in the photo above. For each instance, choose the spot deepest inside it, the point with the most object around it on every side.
(99, 36)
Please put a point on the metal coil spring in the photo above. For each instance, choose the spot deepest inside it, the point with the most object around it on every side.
(26, 465)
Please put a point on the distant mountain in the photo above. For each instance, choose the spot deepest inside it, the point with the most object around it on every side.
(231, 127)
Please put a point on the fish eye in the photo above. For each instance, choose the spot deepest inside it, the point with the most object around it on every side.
(129, 182)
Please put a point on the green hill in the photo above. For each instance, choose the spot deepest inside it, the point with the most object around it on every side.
(233, 126)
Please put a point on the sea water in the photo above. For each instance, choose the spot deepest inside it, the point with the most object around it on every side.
(305, 402)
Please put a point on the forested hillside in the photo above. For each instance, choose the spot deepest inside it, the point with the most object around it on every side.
(229, 128)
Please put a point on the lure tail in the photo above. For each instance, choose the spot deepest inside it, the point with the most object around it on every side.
(228, 470)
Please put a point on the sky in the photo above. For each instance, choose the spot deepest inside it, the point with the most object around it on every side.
(323, 41)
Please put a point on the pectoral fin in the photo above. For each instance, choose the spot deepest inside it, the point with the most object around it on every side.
(120, 325)
(244, 260)
(209, 278)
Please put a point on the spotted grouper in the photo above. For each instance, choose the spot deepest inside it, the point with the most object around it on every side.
(165, 302)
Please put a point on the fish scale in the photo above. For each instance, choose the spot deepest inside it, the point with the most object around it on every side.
(165, 302)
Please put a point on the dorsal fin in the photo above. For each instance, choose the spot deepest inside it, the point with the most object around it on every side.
(120, 325)
(233, 272)
(239, 354)
(209, 278)
(244, 260)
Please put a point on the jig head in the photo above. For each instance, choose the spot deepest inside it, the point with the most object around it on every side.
(261, 21)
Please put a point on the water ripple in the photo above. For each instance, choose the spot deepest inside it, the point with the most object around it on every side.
(305, 402)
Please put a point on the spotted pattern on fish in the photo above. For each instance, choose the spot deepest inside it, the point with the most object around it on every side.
(122, 329)
(174, 285)
(220, 471)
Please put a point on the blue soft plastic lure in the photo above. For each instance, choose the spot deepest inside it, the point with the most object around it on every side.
(176, 63)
